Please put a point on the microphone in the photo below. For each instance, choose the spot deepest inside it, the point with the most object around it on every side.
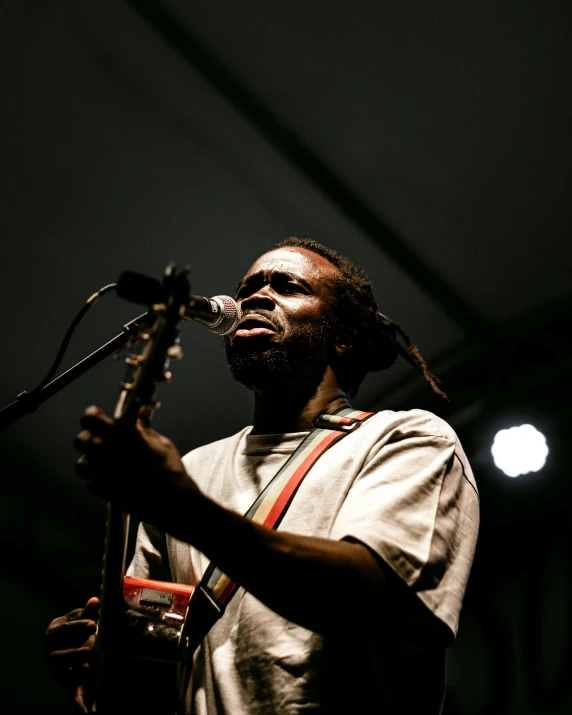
(220, 314)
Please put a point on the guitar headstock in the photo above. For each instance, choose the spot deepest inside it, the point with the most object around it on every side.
(156, 343)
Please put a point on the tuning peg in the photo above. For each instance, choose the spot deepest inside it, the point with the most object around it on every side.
(164, 378)
(175, 352)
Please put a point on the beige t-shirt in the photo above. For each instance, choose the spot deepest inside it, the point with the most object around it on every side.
(400, 484)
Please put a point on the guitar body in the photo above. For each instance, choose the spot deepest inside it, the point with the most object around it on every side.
(142, 672)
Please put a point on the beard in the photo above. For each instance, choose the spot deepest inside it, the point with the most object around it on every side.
(306, 352)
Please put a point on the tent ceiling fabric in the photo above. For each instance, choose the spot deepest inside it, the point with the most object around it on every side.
(449, 121)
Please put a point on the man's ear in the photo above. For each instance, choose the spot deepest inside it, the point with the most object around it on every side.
(345, 341)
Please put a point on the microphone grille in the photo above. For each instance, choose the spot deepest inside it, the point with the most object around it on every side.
(229, 315)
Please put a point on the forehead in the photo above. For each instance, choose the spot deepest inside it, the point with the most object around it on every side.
(313, 268)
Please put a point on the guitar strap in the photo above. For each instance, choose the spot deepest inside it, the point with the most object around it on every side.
(215, 590)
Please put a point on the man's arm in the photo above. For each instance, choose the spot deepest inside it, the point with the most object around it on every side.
(307, 580)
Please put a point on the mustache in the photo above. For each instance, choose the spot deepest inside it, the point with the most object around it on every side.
(267, 315)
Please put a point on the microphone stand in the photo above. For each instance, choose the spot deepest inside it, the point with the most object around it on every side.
(28, 402)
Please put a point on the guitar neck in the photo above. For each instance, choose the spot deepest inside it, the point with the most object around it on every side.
(140, 639)
(112, 603)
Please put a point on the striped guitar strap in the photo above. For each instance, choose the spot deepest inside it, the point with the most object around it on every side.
(215, 590)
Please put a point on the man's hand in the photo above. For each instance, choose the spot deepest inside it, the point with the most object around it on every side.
(69, 643)
(137, 468)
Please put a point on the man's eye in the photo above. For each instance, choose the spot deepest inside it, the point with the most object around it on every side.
(285, 285)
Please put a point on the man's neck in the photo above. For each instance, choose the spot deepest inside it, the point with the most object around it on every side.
(294, 410)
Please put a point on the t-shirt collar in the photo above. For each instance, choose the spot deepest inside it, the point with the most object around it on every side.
(260, 444)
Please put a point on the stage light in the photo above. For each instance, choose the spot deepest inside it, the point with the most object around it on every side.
(519, 450)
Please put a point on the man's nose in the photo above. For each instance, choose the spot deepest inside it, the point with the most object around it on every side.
(261, 298)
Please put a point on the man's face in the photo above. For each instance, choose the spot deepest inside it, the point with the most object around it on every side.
(287, 328)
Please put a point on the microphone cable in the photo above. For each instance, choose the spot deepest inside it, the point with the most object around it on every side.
(68, 336)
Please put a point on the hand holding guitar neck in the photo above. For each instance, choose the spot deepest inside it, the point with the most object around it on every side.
(136, 468)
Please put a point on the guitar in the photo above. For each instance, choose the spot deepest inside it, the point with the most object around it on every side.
(140, 651)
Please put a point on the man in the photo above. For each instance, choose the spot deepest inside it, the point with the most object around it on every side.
(352, 602)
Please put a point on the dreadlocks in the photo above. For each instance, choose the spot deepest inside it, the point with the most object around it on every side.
(375, 336)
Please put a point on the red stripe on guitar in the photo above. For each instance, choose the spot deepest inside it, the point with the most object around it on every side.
(295, 479)
(135, 582)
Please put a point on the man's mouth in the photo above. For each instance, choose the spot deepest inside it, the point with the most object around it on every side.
(253, 325)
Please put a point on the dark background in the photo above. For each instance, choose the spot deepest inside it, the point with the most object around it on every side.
(428, 141)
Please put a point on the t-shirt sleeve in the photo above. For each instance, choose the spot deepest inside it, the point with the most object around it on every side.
(415, 504)
(150, 559)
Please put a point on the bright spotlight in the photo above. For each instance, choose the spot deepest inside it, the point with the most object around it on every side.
(519, 450)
